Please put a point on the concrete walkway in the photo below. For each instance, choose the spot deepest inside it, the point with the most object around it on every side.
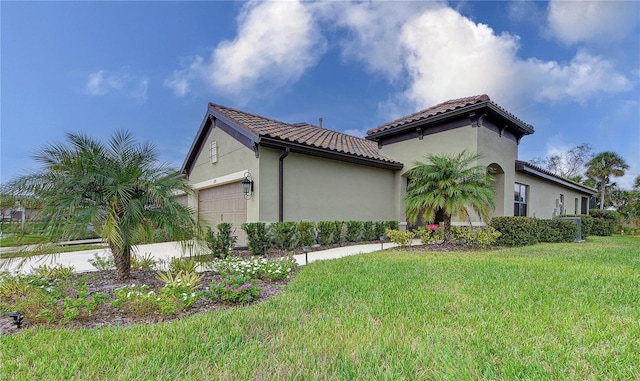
(165, 251)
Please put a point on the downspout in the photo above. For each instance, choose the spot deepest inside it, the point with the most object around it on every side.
(281, 185)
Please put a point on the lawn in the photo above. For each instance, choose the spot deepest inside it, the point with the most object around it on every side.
(549, 311)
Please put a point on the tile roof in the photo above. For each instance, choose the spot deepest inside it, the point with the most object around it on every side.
(441, 108)
(303, 133)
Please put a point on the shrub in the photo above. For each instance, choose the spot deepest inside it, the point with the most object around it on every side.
(556, 230)
(234, 289)
(181, 287)
(306, 233)
(257, 235)
(337, 233)
(604, 221)
(53, 272)
(263, 268)
(354, 231)
(476, 237)
(368, 231)
(515, 231)
(401, 238)
(182, 264)
(143, 262)
(391, 225)
(285, 234)
(102, 263)
(379, 228)
(430, 237)
(221, 244)
(325, 231)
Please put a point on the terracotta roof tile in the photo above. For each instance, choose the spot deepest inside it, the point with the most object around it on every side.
(432, 111)
(303, 133)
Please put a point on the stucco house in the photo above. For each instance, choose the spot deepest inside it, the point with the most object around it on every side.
(299, 171)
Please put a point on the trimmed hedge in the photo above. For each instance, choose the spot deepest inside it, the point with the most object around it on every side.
(557, 230)
(515, 231)
(604, 221)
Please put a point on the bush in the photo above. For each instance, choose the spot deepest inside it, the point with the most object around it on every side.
(401, 238)
(306, 233)
(263, 268)
(391, 225)
(515, 231)
(557, 230)
(354, 231)
(604, 221)
(337, 233)
(285, 234)
(325, 232)
(234, 289)
(380, 229)
(430, 237)
(222, 243)
(369, 231)
(257, 234)
(476, 237)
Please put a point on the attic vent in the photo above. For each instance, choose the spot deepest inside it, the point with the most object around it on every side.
(213, 152)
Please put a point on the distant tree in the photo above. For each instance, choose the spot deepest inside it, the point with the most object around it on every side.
(570, 164)
(604, 166)
(450, 183)
(119, 188)
(636, 183)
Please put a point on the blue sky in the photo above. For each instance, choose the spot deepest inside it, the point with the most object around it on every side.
(571, 69)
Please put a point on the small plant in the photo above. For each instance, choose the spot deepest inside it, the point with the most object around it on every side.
(234, 289)
(401, 238)
(337, 233)
(267, 269)
(53, 272)
(183, 287)
(369, 231)
(392, 225)
(257, 235)
(380, 229)
(222, 243)
(430, 237)
(354, 231)
(102, 263)
(285, 234)
(182, 264)
(325, 231)
(306, 233)
(143, 262)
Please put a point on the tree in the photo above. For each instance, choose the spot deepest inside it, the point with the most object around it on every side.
(451, 184)
(119, 189)
(570, 164)
(604, 166)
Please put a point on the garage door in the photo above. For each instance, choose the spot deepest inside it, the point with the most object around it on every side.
(224, 203)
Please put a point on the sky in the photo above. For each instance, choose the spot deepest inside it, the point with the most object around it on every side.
(570, 69)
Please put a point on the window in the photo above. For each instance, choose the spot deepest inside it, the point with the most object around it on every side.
(561, 205)
(520, 192)
(576, 204)
(213, 152)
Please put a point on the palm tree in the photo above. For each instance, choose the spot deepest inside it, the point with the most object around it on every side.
(451, 184)
(119, 189)
(604, 166)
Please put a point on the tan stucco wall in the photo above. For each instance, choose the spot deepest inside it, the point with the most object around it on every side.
(495, 149)
(319, 189)
(543, 196)
(233, 159)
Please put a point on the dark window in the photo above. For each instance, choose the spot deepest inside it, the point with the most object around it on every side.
(520, 194)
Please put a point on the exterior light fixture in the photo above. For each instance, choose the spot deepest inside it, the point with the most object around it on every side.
(17, 318)
(382, 238)
(306, 252)
(247, 186)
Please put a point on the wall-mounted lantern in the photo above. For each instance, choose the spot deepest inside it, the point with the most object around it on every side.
(247, 186)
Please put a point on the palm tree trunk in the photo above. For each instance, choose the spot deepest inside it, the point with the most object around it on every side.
(447, 228)
(602, 190)
(122, 262)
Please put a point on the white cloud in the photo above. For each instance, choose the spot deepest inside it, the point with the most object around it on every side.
(584, 21)
(356, 132)
(276, 43)
(101, 83)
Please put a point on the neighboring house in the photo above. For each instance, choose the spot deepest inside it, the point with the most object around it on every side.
(304, 172)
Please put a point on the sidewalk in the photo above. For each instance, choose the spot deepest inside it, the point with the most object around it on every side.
(164, 251)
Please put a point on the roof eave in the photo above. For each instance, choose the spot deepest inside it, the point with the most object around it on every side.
(305, 149)
(524, 167)
(525, 129)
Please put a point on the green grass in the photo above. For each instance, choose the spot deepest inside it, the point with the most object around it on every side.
(545, 312)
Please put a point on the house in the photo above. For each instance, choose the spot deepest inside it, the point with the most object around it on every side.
(246, 167)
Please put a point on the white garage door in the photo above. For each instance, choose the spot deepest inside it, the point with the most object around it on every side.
(224, 203)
